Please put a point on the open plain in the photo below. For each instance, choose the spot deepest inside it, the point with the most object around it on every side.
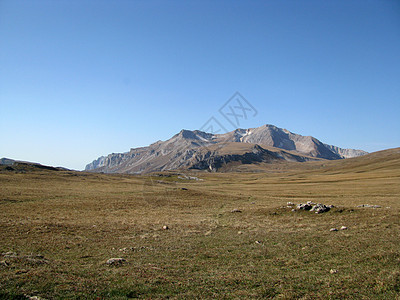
(227, 235)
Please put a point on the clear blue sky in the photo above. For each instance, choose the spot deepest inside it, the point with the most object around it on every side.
(80, 79)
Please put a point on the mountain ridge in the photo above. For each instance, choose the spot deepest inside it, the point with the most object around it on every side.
(201, 150)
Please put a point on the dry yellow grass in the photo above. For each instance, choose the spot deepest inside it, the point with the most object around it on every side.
(76, 221)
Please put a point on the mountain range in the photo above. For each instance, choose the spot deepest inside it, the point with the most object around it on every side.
(206, 151)
(23, 166)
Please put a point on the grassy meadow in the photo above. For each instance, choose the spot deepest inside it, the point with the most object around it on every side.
(58, 229)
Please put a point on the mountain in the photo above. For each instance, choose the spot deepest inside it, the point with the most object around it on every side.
(270, 135)
(8, 164)
(6, 161)
(201, 150)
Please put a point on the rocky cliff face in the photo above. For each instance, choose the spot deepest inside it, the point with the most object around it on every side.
(272, 136)
(214, 159)
(201, 150)
(346, 153)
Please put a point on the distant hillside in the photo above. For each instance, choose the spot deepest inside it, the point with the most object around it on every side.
(7, 164)
(207, 151)
(381, 160)
(6, 161)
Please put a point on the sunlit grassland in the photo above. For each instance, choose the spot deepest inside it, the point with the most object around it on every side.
(76, 221)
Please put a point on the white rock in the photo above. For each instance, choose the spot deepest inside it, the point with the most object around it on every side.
(115, 261)
(126, 249)
(35, 298)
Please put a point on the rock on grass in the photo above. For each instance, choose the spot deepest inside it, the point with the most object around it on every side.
(116, 261)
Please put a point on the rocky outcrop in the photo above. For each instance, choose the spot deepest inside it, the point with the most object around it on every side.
(346, 153)
(318, 208)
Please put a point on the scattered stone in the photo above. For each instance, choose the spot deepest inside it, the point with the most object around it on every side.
(369, 206)
(320, 208)
(310, 206)
(34, 297)
(240, 232)
(343, 228)
(189, 177)
(116, 261)
(165, 227)
(333, 229)
(333, 271)
(142, 248)
(258, 242)
(304, 206)
(126, 249)
(236, 210)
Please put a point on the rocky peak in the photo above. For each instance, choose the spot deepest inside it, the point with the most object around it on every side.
(185, 147)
